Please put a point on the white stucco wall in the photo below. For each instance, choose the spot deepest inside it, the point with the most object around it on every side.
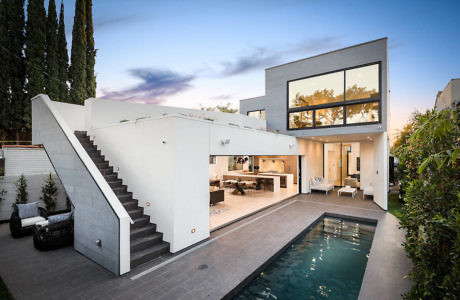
(101, 112)
(381, 153)
(313, 152)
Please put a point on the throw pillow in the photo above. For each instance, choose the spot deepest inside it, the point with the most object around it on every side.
(28, 210)
(59, 218)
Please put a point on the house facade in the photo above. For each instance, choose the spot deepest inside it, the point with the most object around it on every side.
(144, 179)
(341, 100)
(450, 96)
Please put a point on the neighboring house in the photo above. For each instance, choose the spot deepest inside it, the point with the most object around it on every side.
(155, 164)
(450, 96)
(26, 160)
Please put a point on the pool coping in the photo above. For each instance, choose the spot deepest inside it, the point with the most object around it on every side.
(275, 256)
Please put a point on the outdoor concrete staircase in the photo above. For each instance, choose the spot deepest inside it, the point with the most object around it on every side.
(146, 242)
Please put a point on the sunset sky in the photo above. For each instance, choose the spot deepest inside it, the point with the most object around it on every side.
(212, 52)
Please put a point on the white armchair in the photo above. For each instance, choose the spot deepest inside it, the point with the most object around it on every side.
(321, 184)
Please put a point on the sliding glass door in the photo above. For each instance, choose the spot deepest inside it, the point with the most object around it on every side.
(341, 163)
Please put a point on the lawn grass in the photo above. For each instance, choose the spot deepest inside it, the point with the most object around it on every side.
(394, 206)
(4, 293)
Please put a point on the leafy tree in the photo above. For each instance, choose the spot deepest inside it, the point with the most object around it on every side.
(21, 191)
(4, 87)
(222, 108)
(431, 214)
(90, 52)
(63, 59)
(49, 193)
(77, 71)
(35, 53)
(16, 70)
(52, 72)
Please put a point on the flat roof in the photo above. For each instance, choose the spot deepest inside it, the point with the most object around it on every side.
(357, 45)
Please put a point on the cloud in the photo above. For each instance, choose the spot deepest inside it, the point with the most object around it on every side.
(261, 57)
(103, 22)
(154, 87)
(222, 97)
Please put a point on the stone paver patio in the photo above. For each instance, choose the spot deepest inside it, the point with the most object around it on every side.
(212, 269)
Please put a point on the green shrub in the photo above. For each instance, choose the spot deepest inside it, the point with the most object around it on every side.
(21, 192)
(49, 193)
(431, 213)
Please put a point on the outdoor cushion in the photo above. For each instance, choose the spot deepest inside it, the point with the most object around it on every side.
(31, 221)
(28, 210)
(59, 218)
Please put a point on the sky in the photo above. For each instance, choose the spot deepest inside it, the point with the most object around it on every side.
(192, 53)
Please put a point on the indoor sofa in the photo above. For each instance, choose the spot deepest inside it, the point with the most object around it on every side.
(320, 184)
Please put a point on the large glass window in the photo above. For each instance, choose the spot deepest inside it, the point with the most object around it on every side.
(363, 113)
(301, 119)
(329, 116)
(362, 83)
(259, 114)
(316, 90)
(322, 100)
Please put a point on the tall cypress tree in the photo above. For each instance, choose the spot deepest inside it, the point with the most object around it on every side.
(63, 59)
(35, 53)
(52, 72)
(77, 71)
(16, 69)
(4, 86)
(90, 52)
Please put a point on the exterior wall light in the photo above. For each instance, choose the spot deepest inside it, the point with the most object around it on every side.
(291, 145)
(99, 243)
(163, 142)
(225, 141)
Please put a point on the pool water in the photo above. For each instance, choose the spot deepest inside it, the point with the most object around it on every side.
(327, 262)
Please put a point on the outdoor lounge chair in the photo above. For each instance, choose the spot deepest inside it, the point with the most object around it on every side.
(320, 184)
(54, 233)
(24, 218)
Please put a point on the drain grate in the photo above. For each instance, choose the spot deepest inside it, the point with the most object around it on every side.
(202, 267)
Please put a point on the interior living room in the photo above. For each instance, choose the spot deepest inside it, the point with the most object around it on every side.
(240, 185)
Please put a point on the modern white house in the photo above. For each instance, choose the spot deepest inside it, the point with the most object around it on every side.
(147, 179)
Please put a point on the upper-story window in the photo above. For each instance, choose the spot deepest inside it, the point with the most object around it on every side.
(339, 98)
(259, 114)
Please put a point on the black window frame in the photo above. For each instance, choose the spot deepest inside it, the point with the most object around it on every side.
(259, 110)
(343, 103)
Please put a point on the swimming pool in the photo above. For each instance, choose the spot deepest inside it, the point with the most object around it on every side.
(327, 262)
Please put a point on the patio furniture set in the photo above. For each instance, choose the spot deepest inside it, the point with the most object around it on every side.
(49, 232)
(320, 184)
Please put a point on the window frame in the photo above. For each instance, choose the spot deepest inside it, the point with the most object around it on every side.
(259, 110)
(343, 103)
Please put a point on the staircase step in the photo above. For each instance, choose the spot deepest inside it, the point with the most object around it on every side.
(102, 165)
(120, 190)
(98, 159)
(145, 242)
(87, 145)
(107, 171)
(111, 177)
(135, 212)
(93, 151)
(140, 221)
(125, 197)
(145, 255)
(114, 183)
(143, 231)
(81, 132)
(128, 205)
